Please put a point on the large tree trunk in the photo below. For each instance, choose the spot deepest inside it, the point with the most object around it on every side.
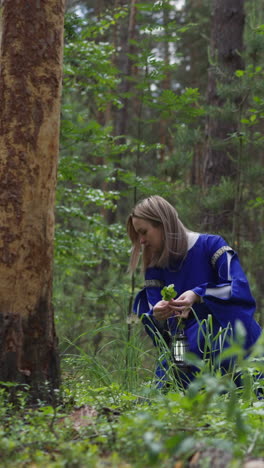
(30, 90)
(221, 153)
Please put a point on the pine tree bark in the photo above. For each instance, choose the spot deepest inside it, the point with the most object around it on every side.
(30, 90)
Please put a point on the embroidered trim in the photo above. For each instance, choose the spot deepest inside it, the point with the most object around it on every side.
(219, 252)
(154, 283)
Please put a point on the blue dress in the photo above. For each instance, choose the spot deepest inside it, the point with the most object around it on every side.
(212, 270)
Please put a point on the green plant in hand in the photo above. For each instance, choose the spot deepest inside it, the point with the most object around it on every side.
(168, 292)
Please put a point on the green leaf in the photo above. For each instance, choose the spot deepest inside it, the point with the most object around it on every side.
(239, 73)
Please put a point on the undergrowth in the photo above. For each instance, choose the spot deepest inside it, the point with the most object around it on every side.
(119, 419)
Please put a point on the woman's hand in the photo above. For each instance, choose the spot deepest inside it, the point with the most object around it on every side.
(179, 307)
(183, 304)
(162, 310)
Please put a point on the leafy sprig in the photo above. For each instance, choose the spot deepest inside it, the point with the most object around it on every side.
(168, 292)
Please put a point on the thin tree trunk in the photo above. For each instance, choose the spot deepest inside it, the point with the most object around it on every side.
(30, 90)
(125, 64)
(164, 136)
(127, 32)
(220, 153)
(196, 47)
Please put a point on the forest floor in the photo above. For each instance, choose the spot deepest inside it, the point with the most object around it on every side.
(108, 426)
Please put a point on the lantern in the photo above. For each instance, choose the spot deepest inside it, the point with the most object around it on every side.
(179, 349)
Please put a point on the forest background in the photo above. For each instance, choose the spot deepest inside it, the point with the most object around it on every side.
(150, 108)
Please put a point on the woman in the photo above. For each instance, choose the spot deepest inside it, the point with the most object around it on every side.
(206, 274)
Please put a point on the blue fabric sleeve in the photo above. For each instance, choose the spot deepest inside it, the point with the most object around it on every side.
(153, 327)
(229, 297)
(141, 305)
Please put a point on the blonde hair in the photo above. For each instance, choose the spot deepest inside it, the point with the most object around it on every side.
(158, 212)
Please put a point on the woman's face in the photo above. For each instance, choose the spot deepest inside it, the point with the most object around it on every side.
(149, 235)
